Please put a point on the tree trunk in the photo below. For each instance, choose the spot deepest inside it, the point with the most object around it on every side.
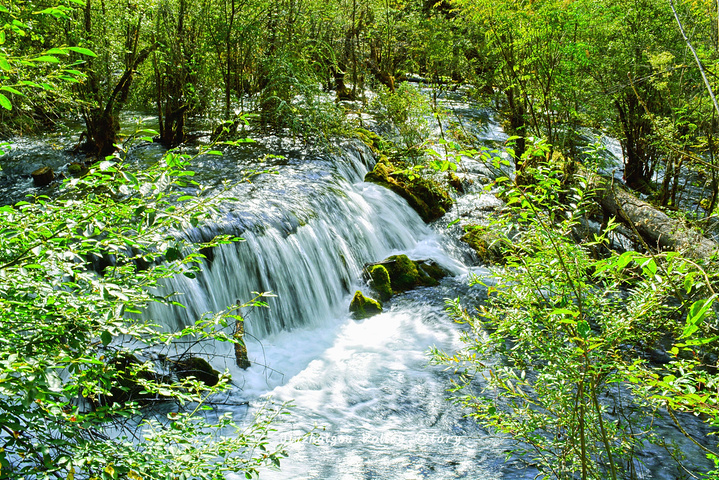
(655, 227)
(103, 123)
(637, 153)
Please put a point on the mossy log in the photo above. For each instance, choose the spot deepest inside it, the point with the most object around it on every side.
(655, 227)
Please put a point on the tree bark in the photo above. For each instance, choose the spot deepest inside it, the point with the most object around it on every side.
(655, 227)
(103, 124)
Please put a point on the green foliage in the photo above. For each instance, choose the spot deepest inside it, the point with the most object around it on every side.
(292, 99)
(76, 272)
(554, 350)
(30, 72)
(407, 111)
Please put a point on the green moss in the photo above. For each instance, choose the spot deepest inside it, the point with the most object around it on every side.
(487, 244)
(406, 274)
(76, 169)
(455, 182)
(425, 196)
(381, 281)
(431, 273)
(403, 272)
(362, 307)
(371, 139)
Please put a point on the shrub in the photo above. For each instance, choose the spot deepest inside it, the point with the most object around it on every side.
(71, 380)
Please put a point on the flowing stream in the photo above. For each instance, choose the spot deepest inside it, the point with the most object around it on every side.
(365, 391)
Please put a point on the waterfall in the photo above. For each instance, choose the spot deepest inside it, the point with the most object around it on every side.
(308, 245)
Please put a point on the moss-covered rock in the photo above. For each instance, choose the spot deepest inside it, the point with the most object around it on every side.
(427, 197)
(362, 307)
(371, 139)
(455, 182)
(406, 274)
(197, 367)
(487, 244)
(77, 169)
(380, 281)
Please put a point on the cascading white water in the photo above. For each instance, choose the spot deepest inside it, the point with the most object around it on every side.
(311, 264)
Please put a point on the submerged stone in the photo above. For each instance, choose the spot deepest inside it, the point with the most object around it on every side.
(363, 307)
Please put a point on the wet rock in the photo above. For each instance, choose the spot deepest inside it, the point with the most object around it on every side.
(43, 176)
(405, 274)
(380, 281)
(487, 244)
(427, 197)
(196, 367)
(362, 307)
(77, 169)
(127, 385)
(455, 182)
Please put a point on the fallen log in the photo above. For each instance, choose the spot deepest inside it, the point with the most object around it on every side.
(655, 227)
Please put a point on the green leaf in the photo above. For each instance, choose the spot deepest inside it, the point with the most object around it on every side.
(696, 315)
(106, 338)
(12, 90)
(56, 51)
(5, 102)
(45, 58)
(4, 64)
(83, 51)
(583, 329)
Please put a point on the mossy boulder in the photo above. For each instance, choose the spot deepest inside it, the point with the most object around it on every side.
(371, 139)
(380, 281)
(427, 197)
(489, 246)
(406, 274)
(362, 307)
(455, 182)
(197, 367)
(77, 169)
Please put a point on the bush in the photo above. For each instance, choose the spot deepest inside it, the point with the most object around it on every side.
(564, 337)
(71, 379)
(407, 110)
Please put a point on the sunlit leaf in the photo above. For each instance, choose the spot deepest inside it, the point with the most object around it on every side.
(5, 102)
